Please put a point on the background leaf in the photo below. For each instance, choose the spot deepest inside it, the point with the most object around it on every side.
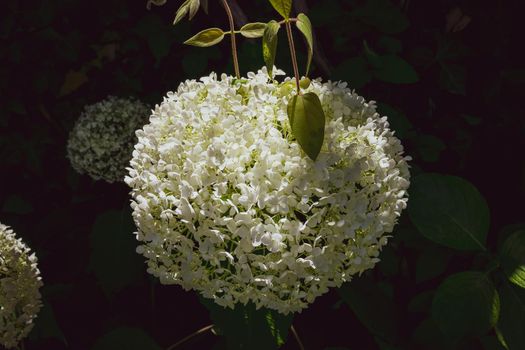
(245, 327)
(466, 304)
(511, 323)
(113, 259)
(126, 338)
(513, 257)
(449, 210)
(395, 70)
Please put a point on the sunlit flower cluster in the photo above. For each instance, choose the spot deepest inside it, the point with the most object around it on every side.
(20, 281)
(226, 202)
(101, 142)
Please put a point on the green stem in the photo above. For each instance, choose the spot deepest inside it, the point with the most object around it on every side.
(234, 43)
(292, 53)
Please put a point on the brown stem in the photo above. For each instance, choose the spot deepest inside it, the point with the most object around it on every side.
(238, 15)
(294, 57)
(301, 346)
(234, 44)
(194, 334)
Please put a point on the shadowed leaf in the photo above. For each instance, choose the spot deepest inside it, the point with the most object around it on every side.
(270, 45)
(513, 258)
(466, 304)
(305, 26)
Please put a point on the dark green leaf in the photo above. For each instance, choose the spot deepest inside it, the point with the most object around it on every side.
(373, 58)
(511, 324)
(372, 307)
(421, 302)
(307, 121)
(429, 147)
(513, 258)
(270, 45)
(305, 26)
(449, 210)
(204, 5)
(395, 70)
(245, 327)
(431, 263)
(113, 259)
(397, 120)
(157, 35)
(16, 205)
(429, 336)
(466, 304)
(383, 15)
(282, 6)
(126, 338)
(390, 44)
(205, 38)
(453, 78)
(46, 325)
(253, 30)
(355, 71)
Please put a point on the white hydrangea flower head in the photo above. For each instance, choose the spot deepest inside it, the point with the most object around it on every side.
(226, 202)
(20, 282)
(101, 142)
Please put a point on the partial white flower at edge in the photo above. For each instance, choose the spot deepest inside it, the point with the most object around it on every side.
(101, 142)
(227, 204)
(20, 281)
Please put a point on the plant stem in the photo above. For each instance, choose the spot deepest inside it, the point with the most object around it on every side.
(301, 346)
(234, 44)
(292, 53)
(194, 334)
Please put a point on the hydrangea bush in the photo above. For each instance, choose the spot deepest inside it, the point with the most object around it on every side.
(20, 282)
(226, 203)
(102, 139)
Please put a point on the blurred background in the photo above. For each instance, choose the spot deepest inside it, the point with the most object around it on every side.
(449, 74)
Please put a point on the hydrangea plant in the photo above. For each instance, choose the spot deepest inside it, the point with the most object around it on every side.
(20, 281)
(101, 142)
(263, 190)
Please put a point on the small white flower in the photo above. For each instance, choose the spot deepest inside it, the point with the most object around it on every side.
(250, 217)
(101, 142)
(20, 281)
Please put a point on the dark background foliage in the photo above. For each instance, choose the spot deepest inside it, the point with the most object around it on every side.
(449, 74)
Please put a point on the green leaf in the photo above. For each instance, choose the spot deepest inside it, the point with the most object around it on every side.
(449, 210)
(204, 5)
(466, 304)
(253, 30)
(126, 338)
(189, 7)
(307, 121)
(374, 309)
(513, 258)
(157, 34)
(390, 44)
(283, 7)
(395, 70)
(113, 258)
(270, 45)
(511, 324)
(207, 37)
(305, 26)
(245, 327)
